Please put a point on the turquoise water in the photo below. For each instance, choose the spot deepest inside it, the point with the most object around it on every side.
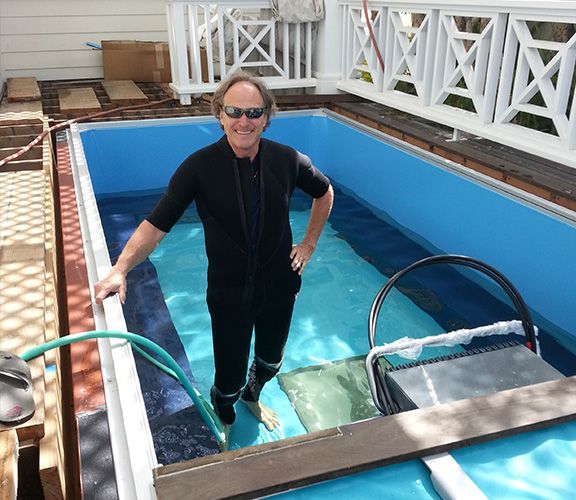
(531, 466)
(329, 321)
(329, 324)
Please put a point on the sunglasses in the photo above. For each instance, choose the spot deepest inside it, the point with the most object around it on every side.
(252, 113)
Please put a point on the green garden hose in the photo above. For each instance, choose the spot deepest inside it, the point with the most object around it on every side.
(173, 369)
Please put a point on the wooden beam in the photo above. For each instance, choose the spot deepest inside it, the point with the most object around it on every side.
(78, 101)
(34, 153)
(8, 464)
(51, 461)
(124, 92)
(23, 89)
(271, 468)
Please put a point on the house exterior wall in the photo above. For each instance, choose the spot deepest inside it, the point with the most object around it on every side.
(47, 38)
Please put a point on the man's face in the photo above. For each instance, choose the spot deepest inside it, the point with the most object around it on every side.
(243, 133)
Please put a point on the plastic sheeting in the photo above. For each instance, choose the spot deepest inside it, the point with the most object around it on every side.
(412, 348)
(330, 394)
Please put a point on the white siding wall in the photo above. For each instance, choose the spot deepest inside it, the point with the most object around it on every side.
(46, 38)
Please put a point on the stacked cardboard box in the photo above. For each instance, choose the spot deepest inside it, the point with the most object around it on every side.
(135, 60)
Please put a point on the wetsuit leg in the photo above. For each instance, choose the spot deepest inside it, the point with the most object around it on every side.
(271, 328)
(231, 336)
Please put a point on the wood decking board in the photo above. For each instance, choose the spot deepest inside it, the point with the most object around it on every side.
(271, 468)
(22, 276)
(15, 141)
(34, 153)
(52, 462)
(20, 165)
(23, 89)
(124, 92)
(9, 130)
(28, 302)
(51, 468)
(78, 101)
(8, 464)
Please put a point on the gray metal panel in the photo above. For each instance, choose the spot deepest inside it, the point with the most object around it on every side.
(468, 376)
(98, 474)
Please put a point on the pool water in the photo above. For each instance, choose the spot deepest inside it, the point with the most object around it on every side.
(329, 321)
(356, 253)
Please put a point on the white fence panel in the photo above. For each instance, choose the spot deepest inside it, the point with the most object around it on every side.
(208, 41)
(502, 70)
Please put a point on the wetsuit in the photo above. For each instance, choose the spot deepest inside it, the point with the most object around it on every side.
(244, 209)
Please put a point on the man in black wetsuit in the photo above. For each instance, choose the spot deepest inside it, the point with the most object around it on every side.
(242, 187)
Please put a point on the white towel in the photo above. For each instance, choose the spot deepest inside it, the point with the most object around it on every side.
(298, 11)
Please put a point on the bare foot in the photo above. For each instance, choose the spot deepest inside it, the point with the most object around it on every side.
(224, 446)
(264, 414)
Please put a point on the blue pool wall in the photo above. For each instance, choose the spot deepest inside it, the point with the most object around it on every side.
(453, 213)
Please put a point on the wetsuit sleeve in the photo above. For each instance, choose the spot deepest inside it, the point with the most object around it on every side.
(180, 193)
(310, 180)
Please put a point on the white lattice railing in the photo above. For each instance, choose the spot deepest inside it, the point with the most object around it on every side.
(211, 40)
(488, 68)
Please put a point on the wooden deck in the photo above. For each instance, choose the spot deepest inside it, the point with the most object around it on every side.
(28, 305)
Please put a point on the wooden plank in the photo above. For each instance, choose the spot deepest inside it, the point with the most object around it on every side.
(22, 165)
(124, 92)
(315, 99)
(23, 89)
(15, 141)
(22, 282)
(270, 468)
(20, 107)
(166, 88)
(19, 129)
(78, 100)
(34, 153)
(8, 465)
(51, 461)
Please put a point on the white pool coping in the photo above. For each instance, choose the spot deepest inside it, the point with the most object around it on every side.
(130, 435)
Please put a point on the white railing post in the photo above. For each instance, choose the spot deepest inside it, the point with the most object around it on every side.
(494, 66)
(194, 45)
(429, 58)
(177, 46)
(328, 50)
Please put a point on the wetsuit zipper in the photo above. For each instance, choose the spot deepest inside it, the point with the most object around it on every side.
(250, 280)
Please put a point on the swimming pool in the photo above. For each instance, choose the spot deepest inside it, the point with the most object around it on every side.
(438, 203)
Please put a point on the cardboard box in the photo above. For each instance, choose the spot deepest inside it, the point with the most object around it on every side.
(136, 61)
